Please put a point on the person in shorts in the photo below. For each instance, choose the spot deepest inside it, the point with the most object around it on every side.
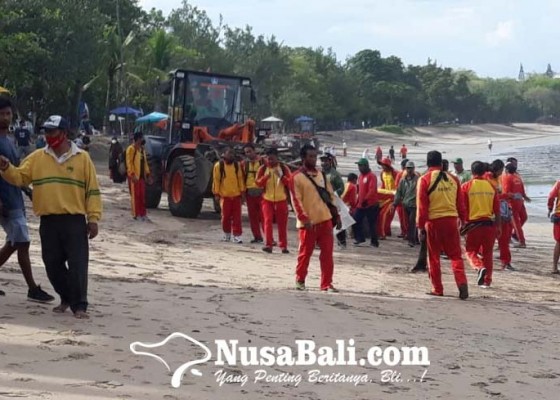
(12, 212)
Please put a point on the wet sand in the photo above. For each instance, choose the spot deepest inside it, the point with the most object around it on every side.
(148, 280)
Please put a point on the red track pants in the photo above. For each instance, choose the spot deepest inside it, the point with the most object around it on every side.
(443, 234)
(482, 239)
(519, 218)
(138, 197)
(231, 215)
(504, 242)
(322, 234)
(254, 208)
(403, 220)
(276, 211)
(384, 221)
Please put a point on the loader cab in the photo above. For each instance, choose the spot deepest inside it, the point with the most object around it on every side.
(202, 99)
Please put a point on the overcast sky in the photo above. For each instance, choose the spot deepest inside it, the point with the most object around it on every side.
(490, 37)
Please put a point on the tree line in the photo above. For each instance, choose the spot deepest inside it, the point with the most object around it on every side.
(57, 53)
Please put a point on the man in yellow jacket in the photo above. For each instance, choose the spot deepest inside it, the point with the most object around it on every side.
(274, 178)
(67, 198)
(228, 187)
(138, 171)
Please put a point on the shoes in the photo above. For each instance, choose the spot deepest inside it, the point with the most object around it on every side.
(415, 269)
(237, 240)
(330, 289)
(481, 276)
(300, 285)
(484, 286)
(358, 242)
(375, 243)
(39, 295)
(508, 267)
(435, 294)
(401, 236)
(411, 244)
(227, 237)
(342, 246)
(267, 249)
(260, 240)
(520, 246)
(285, 251)
(464, 292)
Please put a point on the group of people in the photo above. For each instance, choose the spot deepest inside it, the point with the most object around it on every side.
(67, 199)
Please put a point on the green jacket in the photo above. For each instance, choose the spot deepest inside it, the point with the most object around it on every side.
(406, 191)
(336, 181)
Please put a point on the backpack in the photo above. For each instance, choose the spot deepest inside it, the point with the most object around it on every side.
(505, 211)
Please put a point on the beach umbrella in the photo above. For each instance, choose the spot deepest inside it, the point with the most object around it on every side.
(126, 110)
(152, 117)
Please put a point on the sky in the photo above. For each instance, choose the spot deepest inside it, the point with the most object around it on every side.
(490, 37)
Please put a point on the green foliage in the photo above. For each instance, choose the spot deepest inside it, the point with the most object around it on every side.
(57, 52)
(391, 129)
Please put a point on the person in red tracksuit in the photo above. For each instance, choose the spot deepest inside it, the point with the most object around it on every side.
(253, 192)
(512, 185)
(274, 178)
(554, 197)
(504, 238)
(314, 219)
(437, 220)
(482, 214)
(368, 205)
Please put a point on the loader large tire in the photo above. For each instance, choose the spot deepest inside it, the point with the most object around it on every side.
(184, 198)
(153, 191)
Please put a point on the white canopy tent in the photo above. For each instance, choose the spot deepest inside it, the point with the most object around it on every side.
(272, 119)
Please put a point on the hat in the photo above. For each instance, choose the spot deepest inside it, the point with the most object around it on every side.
(55, 122)
(457, 161)
(363, 161)
(386, 162)
(409, 164)
(403, 162)
(326, 154)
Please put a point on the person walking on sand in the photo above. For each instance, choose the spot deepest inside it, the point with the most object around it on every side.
(513, 187)
(392, 153)
(403, 151)
(138, 172)
(440, 207)
(368, 205)
(378, 154)
(406, 198)
(334, 177)
(490, 144)
(482, 223)
(12, 213)
(313, 199)
(67, 198)
(228, 187)
(274, 178)
(554, 215)
(504, 238)
(254, 193)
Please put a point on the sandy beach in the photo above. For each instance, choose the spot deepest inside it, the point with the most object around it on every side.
(148, 280)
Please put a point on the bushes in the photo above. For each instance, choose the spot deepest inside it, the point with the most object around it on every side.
(391, 129)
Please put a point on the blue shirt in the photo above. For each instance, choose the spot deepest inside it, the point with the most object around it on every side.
(11, 196)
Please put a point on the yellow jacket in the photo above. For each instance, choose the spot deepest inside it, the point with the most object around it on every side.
(66, 186)
(274, 187)
(134, 159)
(251, 168)
(228, 182)
(308, 205)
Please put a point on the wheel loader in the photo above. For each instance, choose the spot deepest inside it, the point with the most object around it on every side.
(205, 115)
